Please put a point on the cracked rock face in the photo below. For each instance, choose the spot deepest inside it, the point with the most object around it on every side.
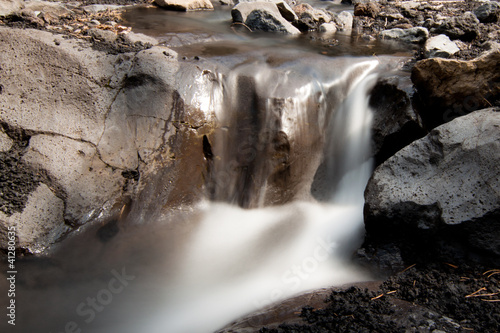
(446, 183)
(79, 128)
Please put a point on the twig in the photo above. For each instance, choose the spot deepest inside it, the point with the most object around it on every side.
(407, 268)
(451, 265)
(377, 297)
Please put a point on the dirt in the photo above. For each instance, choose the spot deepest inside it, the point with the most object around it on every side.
(433, 298)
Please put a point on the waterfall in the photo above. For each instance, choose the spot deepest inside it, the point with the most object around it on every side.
(287, 170)
(286, 167)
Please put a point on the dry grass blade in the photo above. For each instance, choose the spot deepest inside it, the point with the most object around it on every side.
(476, 292)
(491, 300)
(482, 295)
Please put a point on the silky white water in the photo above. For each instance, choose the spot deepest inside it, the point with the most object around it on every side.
(239, 260)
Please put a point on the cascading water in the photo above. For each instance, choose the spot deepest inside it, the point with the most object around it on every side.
(286, 167)
(277, 125)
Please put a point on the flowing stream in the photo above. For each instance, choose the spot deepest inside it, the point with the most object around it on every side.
(282, 214)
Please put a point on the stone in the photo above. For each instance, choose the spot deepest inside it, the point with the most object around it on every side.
(283, 6)
(5, 142)
(370, 9)
(395, 124)
(344, 21)
(262, 16)
(488, 12)
(184, 5)
(77, 173)
(94, 9)
(412, 35)
(8, 7)
(442, 189)
(328, 27)
(465, 27)
(310, 18)
(450, 88)
(102, 35)
(40, 224)
(134, 37)
(54, 9)
(440, 46)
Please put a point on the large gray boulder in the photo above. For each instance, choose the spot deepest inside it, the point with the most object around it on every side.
(262, 16)
(442, 189)
(80, 129)
(412, 35)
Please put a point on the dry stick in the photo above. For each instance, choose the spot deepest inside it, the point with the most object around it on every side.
(490, 300)
(374, 298)
(451, 265)
(391, 292)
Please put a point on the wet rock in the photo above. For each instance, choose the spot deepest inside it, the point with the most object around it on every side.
(344, 21)
(412, 35)
(310, 18)
(441, 191)
(5, 142)
(451, 88)
(465, 27)
(8, 7)
(488, 12)
(440, 46)
(40, 224)
(395, 124)
(184, 5)
(370, 9)
(328, 27)
(262, 16)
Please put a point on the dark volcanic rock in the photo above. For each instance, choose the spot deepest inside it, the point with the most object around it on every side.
(487, 12)
(439, 197)
(465, 27)
(451, 88)
(395, 123)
